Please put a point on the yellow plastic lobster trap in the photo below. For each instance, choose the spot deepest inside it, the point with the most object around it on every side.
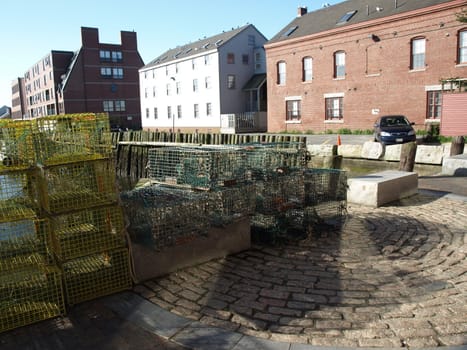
(18, 195)
(24, 243)
(78, 185)
(29, 296)
(87, 231)
(72, 137)
(96, 275)
(16, 145)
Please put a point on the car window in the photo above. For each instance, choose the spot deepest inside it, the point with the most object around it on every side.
(401, 121)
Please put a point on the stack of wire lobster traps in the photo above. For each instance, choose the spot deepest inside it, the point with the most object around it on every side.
(267, 182)
(192, 189)
(61, 228)
(290, 197)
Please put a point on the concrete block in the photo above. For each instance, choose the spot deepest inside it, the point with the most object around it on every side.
(350, 151)
(392, 153)
(383, 187)
(455, 165)
(219, 242)
(333, 162)
(372, 150)
(322, 150)
(429, 154)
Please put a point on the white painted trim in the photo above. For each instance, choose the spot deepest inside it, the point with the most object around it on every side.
(293, 98)
(334, 94)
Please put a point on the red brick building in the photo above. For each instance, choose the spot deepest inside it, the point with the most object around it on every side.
(99, 77)
(343, 65)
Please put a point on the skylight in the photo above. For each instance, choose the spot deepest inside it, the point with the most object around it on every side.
(289, 31)
(346, 17)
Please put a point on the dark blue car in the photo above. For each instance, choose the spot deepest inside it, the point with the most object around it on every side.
(394, 129)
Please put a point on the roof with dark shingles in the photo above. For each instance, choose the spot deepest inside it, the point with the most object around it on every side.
(196, 47)
(328, 17)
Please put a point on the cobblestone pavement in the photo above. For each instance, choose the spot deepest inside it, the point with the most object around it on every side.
(392, 276)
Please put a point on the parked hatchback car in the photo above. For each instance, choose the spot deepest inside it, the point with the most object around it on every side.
(393, 129)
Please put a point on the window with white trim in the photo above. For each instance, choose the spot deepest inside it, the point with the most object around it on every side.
(120, 105)
(339, 65)
(417, 57)
(179, 111)
(434, 103)
(281, 73)
(462, 46)
(334, 108)
(231, 81)
(108, 106)
(293, 110)
(307, 69)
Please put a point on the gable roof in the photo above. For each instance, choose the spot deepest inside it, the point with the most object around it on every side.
(347, 13)
(197, 47)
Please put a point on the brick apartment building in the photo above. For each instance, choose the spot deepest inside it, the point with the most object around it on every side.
(343, 65)
(99, 77)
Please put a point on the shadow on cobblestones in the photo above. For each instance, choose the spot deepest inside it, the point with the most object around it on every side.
(390, 277)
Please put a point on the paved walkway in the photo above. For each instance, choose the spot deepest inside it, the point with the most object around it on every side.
(392, 277)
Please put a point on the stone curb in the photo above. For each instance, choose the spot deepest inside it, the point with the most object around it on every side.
(195, 335)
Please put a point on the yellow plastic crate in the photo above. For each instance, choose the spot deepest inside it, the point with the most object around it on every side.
(16, 144)
(96, 275)
(87, 231)
(18, 195)
(77, 186)
(30, 296)
(24, 243)
(72, 137)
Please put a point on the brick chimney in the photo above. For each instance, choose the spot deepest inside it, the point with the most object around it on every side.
(301, 11)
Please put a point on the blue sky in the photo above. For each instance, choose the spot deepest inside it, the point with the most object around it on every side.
(36, 27)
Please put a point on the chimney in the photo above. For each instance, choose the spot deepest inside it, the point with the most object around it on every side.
(301, 11)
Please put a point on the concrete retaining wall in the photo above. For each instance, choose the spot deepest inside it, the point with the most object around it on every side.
(426, 154)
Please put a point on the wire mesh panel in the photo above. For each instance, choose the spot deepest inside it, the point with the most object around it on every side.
(16, 144)
(79, 185)
(280, 195)
(18, 195)
(264, 158)
(325, 194)
(29, 296)
(24, 243)
(161, 216)
(229, 203)
(72, 137)
(96, 275)
(203, 167)
(87, 231)
(279, 192)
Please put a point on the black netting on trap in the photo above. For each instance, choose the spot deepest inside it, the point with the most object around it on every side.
(160, 216)
(226, 204)
(325, 195)
(262, 159)
(280, 197)
(197, 167)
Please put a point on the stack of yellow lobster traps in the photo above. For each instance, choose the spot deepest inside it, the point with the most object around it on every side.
(61, 228)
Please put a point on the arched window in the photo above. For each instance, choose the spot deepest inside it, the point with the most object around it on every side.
(307, 69)
(281, 73)
(339, 64)
(417, 57)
